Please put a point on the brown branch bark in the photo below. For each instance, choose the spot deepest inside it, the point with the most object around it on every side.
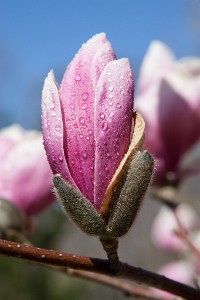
(61, 259)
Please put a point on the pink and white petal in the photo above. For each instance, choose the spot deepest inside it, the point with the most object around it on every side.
(157, 61)
(113, 122)
(104, 55)
(9, 136)
(25, 175)
(77, 100)
(190, 65)
(52, 125)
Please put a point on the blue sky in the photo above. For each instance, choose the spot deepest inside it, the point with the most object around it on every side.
(39, 35)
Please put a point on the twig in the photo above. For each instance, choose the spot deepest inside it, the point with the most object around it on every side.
(183, 234)
(61, 259)
(117, 284)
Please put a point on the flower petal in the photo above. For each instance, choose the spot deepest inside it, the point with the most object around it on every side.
(157, 61)
(77, 100)
(9, 136)
(53, 129)
(25, 176)
(113, 122)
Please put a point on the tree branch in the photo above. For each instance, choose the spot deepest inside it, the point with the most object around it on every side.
(61, 259)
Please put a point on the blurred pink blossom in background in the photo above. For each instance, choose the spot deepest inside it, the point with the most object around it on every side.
(25, 176)
(169, 100)
(164, 227)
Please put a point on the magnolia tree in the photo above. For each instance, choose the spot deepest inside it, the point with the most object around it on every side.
(103, 156)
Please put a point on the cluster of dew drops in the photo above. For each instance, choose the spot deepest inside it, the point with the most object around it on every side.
(106, 116)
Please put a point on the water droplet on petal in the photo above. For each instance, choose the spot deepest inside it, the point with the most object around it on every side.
(68, 120)
(111, 114)
(84, 106)
(73, 117)
(53, 114)
(72, 105)
(102, 116)
(78, 77)
(82, 120)
(60, 158)
(52, 105)
(110, 88)
(57, 127)
(118, 105)
(72, 162)
(105, 126)
(90, 131)
(84, 154)
(84, 96)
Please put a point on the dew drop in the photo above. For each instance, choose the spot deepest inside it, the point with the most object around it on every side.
(109, 80)
(68, 120)
(110, 88)
(73, 117)
(102, 116)
(84, 154)
(57, 127)
(52, 105)
(72, 162)
(60, 158)
(111, 115)
(110, 102)
(85, 96)
(84, 106)
(75, 125)
(72, 105)
(87, 138)
(60, 254)
(78, 77)
(110, 96)
(81, 135)
(43, 255)
(53, 114)
(90, 131)
(108, 154)
(104, 126)
(118, 105)
(82, 120)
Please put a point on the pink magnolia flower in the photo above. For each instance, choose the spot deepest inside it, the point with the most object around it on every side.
(87, 121)
(164, 227)
(25, 176)
(169, 100)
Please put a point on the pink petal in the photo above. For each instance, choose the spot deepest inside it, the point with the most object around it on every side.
(190, 65)
(113, 122)
(157, 61)
(25, 176)
(77, 100)
(52, 124)
(164, 227)
(9, 136)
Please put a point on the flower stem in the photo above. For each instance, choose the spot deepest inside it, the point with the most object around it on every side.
(110, 245)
